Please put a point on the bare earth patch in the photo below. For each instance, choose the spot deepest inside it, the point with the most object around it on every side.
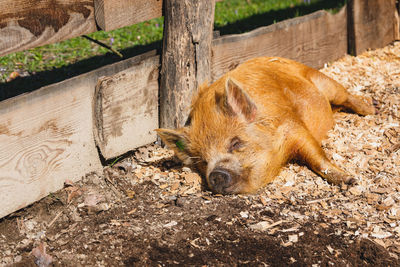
(149, 210)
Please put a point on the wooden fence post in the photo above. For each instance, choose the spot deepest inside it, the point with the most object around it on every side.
(371, 24)
(186, 56)
(397, 26)
(351, 45)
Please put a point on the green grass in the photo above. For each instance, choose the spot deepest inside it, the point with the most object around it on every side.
(70, 51)
(238, 16)
(231, 16)
(231, 11)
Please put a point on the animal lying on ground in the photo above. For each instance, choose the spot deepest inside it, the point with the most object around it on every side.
(245, 126)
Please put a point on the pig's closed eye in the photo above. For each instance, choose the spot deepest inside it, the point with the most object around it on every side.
(235, 144)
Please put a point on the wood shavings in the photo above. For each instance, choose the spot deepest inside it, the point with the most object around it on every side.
(264, 225)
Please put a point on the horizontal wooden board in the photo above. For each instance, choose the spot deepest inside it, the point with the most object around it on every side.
(372, 24)
(26, 24)
(126, 108)
(47, 137)
(313, 39)
(112, 14)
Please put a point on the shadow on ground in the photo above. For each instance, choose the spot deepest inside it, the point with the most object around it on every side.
(30, 83)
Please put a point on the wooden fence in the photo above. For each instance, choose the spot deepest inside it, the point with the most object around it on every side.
(57, 132)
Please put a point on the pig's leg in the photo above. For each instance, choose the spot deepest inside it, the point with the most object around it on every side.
(359, 104)
(338, 95)
(308, 150)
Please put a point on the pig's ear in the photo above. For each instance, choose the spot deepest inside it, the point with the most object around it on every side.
(175, 140)
(238, 102)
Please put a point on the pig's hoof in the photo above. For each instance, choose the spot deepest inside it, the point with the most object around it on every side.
(347, 179)
(350, 180)
(347, 183)
(339, 177)
(362, 105)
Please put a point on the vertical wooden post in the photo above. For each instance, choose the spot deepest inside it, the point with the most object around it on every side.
(371, 24)
(397, 26)
(186, 56)
(351, 43)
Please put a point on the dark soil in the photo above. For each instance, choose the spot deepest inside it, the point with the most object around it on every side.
(153, 228)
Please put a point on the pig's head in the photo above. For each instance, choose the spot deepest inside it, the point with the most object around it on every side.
(224, 139)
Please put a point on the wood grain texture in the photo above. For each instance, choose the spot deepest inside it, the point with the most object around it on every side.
(397, 23)
(313, 39)
(126, 108)
(47, 136)
(112, 14)
(29, 23)
(372, 24)
(186, 57)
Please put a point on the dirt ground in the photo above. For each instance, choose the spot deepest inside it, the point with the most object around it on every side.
(147, 209)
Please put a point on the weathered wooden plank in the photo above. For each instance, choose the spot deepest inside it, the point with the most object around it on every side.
(186, 56)
(313, 39)
(372, 24)
(25, 24)
(112, 14)
(397, 22)
(46, 137)
(126, 108)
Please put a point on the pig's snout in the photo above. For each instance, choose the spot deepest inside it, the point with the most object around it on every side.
(220, 180)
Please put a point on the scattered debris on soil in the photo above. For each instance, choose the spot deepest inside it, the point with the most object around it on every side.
(147, 209)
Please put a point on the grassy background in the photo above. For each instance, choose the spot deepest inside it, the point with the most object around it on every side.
(79, 55)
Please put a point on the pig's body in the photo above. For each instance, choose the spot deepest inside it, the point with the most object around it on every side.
(244, 127)
(284, 96)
